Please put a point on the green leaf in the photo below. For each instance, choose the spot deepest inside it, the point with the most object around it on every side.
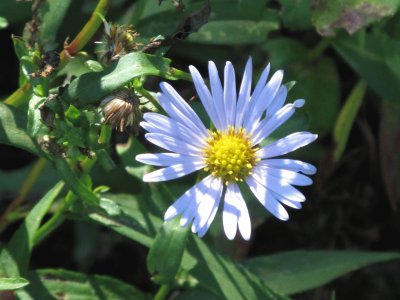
(3, 23)
(51, 13)
(196, 294)
(91, 87)
(35, 124)
(222, 276)
(12, 283)
(375, 59)
(75, 184)
(12, 129)
(352, 15)
(14, 257)
(296, 15)
(346, 119)
(296, 271)
(63, 284)
(165, 256)
(234, 32)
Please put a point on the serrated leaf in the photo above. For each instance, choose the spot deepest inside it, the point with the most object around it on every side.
(12, 283)
(14, 258)
(351, 15)
(165, 255)
(296, 271)
(65, 284)
(91, 87)
(12, 129)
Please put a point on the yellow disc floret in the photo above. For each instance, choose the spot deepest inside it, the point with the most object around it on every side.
(229, 155)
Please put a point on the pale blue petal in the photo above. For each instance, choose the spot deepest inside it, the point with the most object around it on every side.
(286, 176)
(244, 94)
(218, 96)
(287, 144)
(177, 114)
(166, 159)
(185, 202)
(289, 164)
(174, 171)
(269, 125)
(262, 102)
(157, 123)
(181, 104)
(278, 102)
(230, 93)
(210, 200)
(267, 199)
(204, 95)
(278, 186)
(173, 144)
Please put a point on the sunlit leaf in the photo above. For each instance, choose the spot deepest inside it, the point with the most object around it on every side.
(12, 283)
(14, 257)
(297, 271)
(64, 284)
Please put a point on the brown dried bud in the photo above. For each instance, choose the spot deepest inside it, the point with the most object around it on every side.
(121, 110)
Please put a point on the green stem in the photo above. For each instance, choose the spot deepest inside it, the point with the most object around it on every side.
(180, 74)
(26, 187)
(56, 220)
(149, 97)
(162, 292)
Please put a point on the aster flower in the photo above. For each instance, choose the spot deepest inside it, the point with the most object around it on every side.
(229, 152)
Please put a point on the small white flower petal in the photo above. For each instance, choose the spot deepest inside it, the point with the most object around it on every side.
(218, 96)
(287, 176)
(231, 212)
(244, 94)
(279, 186)
(173, 144)
(287, 144)
(174, 171)
(267, 199)
(230, 93)
(179, 115)
(199, 193)
(289, 164)
(262, 102)
(204, 95)
(208, 203)
(166, 159)
(156, 123)
(180, 103)
(278, 102)
(269, 125)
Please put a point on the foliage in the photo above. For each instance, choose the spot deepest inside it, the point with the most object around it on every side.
(74, 58)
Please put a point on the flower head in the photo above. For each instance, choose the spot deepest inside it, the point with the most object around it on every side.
(230, 152)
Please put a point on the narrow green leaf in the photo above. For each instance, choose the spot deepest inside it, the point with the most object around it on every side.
(14, 258)
(35, 124)
(351, 15)
(375, 59)
(91, 87)
(222, 276)
(12, 283)
(346, 119)
(165, 256)
(64, 284)
(296, 271)
(12, 129)
(74, 183)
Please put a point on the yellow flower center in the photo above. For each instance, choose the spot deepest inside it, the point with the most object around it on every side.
(229, 155)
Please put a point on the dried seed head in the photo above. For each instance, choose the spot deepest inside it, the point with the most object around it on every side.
(121, 110)
(119, 40)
